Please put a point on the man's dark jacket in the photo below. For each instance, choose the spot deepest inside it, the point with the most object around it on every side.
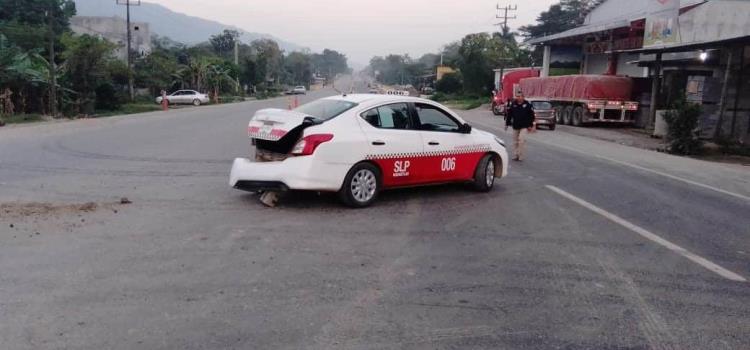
(520, 115)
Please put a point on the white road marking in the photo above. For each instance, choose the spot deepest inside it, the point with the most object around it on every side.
(673, 177)
(650, 236)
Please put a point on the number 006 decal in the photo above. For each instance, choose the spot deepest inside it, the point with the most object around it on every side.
(448, 164)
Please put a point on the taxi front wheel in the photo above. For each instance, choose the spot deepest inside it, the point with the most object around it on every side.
(361, 185)
(484, 175)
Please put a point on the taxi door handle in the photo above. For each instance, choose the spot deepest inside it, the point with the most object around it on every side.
(378, 143)
(433, 143)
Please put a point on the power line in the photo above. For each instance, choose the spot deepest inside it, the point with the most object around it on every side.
(505, 17)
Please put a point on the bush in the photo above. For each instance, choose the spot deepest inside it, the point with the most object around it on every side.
(683, 128)
(438, 97)
(449, 84)
(106, 97)
(728, 145)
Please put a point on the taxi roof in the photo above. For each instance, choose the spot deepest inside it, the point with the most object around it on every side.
(374, 98)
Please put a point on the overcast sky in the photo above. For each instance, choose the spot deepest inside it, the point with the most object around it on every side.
(361, 28)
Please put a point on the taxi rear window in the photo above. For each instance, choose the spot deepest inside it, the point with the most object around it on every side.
(325, 109)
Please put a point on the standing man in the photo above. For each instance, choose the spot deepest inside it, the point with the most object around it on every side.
(519, 115)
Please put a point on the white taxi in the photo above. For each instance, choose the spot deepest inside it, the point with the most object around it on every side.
(358, 145)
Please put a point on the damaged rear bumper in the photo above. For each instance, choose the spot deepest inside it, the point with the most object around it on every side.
(294, 173)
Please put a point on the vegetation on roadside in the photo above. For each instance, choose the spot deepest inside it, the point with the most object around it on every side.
(473, 57)
(683, 135)
(464, 102)
(476, 55)
(46, 69)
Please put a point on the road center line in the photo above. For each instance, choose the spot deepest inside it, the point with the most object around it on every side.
(656, 172)
(652, 237)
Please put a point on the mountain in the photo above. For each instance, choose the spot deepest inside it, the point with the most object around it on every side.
(177, 26)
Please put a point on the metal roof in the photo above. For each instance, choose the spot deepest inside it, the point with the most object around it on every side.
(582, 30)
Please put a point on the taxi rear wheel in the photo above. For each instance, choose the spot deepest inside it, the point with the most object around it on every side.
(361, 186)
(484, 175)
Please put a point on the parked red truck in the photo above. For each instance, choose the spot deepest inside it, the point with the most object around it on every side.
(508, 86)
(577, 99)
(581, 99)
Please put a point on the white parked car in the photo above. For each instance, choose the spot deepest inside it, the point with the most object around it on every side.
(186, 97)
(358, 145)
(299, 90)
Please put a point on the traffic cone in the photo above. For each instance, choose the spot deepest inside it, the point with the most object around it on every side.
(289, 103)
(296, 102)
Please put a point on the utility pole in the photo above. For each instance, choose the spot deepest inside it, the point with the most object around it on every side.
(505, 17)
(52, 67)
(127, 4)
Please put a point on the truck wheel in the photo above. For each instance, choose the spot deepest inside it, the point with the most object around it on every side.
(558, 114)
(568, 115)
(361, 186)
(578, 116)
(495, 109)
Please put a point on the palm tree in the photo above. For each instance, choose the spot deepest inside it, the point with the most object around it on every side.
(216, 75)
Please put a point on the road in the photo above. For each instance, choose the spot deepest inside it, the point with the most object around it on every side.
(585, 245)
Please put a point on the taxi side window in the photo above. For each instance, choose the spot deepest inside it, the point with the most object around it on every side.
(432, 118)
(393, 116)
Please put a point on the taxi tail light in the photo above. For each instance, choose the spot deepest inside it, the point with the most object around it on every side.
(309, 143)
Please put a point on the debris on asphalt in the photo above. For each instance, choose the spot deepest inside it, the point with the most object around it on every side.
(269, 198)
(90, 206)
(125, 200)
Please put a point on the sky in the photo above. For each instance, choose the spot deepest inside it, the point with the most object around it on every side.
(361, 28)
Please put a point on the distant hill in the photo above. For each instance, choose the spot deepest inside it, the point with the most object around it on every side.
(176, 26)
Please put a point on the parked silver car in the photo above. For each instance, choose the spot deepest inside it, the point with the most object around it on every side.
(185, 97)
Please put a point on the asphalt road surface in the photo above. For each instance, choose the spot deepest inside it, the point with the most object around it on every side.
(585, 245)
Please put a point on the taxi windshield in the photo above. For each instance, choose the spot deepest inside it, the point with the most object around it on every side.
(325, 109)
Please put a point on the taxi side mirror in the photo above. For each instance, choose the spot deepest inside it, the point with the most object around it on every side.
(464, 129)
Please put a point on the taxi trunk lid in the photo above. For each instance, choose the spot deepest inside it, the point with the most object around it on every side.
(277, 130)
(273, 124)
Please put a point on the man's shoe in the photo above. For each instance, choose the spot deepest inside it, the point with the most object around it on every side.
(517, 159)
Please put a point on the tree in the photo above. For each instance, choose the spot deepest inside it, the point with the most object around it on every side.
(475, 63)
(268, 58)
(216, 77)
(449, 84)
(329, 63)
(86, 61)
(156, 71)
(223, 44)
(298, 66)
(560, 17)
(30, 22)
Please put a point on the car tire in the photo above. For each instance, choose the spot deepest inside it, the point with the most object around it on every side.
(196, 102)
(577, 118)
(361, 186)
(484, 175)
(568, 115)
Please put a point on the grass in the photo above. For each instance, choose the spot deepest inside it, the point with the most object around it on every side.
(20, 118)
(463, 102)
(130, 108)
(460, 101)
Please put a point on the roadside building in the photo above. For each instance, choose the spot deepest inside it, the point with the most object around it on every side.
(114, 30)
(442, 71)
(674, 48)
